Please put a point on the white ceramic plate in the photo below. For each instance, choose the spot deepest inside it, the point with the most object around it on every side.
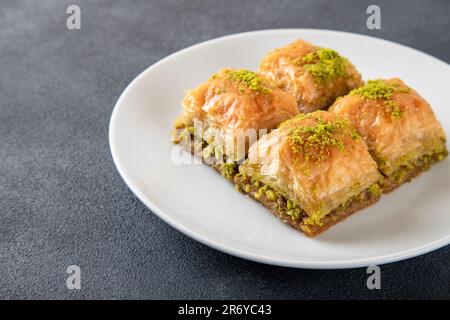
(194, 199)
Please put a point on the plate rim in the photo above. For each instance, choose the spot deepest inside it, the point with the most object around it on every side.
(242, 253)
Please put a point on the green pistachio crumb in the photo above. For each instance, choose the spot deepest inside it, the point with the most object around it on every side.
(271, 195)
(250, 79)
(375, 189)
(325, 64)
(228, 170)
(382, 182)
(400, 175)
(263, 189)
(375, 89)
(313, 220)
(380, 90)
(294, 213)
(256, 183)
(290, 204)
(395, 109)
(314, 142)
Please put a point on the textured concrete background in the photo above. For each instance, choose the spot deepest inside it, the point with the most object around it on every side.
(62, 201)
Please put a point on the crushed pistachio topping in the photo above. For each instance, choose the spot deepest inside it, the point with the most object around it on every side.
(250, 79)
(325, 64)
(265, 193)
(375, 189)
(380, 90)
(314, 142)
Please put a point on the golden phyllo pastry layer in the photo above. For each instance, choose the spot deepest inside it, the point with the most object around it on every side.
(398, 125)
(315, 76)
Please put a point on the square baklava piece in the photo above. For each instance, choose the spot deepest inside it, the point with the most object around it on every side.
(399, 127)
(223, 116)
(315, 76)
(311, 172)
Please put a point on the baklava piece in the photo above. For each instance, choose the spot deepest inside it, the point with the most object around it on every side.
(315, 76)
(224, 115)
(399, 127)
(312, 172)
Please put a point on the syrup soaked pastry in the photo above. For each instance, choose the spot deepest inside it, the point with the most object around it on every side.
(399, 127)
(315, 76)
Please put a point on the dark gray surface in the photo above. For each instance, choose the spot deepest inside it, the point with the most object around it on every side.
(62, 201)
